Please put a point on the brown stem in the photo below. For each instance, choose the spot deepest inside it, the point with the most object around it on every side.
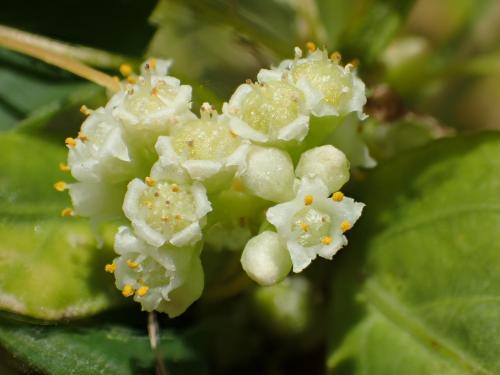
(154, 340)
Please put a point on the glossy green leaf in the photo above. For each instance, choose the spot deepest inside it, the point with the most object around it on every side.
(51, 268)
(418, 289)
(103, 349)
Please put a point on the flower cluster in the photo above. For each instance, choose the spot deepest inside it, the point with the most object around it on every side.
(249, 178)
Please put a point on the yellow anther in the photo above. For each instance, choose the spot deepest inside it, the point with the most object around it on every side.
(345, 226)
(338, 196)
(70, 142)
(148, 204)
(308, 200)
(60, 186)
(150, 181)
(311, 46)
(233, 134)
(84, 109)
(127, 290)
(66, 212)
(175, 188)
(165, 219)
(154, 91)
(305, 227)
(110, 268)
(132, 264)
(131, 80)
(178, 217)
(125, 70)
(82, 137)
(336, 57)
(354, 63)
(327, 240)
(141, 292)
(152, 63)
(64, 167)
(116, 79)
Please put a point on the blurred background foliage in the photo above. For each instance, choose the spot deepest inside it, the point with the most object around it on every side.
(432, 69)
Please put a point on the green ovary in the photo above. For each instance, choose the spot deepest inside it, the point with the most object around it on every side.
(270, 107)
(310, 226)
(326, 77)
(204, 140)
(168, 208)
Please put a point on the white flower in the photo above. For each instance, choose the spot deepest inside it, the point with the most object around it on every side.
(153, 104)
(265, 259)
(326, 162)
(167, 279)
(330, 89)
(162, 211)
(268, 173)
(100, 153)
(205, 148)
(312, 224)
(270, 112)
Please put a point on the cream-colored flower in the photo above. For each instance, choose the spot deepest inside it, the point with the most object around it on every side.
(312, 223)
(166, 212)
(166, 279)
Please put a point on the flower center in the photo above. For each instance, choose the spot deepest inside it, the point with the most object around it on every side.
(271, 106)
(168, 208)
(326, 77)
(310, 226)
(204, 140)
(146, 99)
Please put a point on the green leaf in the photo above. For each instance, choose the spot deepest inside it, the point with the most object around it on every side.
(418, 289)
(106, 349)
(51, 268)
(362, 28)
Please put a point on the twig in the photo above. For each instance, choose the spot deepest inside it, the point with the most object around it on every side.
(37, 47)
(154, 339)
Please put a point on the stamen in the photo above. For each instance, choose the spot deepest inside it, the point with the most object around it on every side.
(152, 63)
(132, 80)
(141, 292)
(64, 167)
(305, 227)
(60, 186)
(327, 240)
(132, 264)
(110, 268)
(311, 46)
(308, 200)
(178, 217)
(125, 70)
(175, 188)
(70, 142)
(345, 226)
(150, 181)
(84, 109)
(67, 212)
(148, 204)
(338, 196)
(127, 290)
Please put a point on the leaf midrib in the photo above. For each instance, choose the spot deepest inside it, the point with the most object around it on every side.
(394, 311)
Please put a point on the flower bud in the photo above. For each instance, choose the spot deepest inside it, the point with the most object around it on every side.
(326, 162)
(268, 174)
(265, 259)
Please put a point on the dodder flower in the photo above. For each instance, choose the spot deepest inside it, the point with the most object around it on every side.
(313, 224)
(162, 211)
(268, 112)
(167, 279)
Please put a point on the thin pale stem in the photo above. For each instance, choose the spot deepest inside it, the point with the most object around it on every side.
(33, 46)
(154, 341)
